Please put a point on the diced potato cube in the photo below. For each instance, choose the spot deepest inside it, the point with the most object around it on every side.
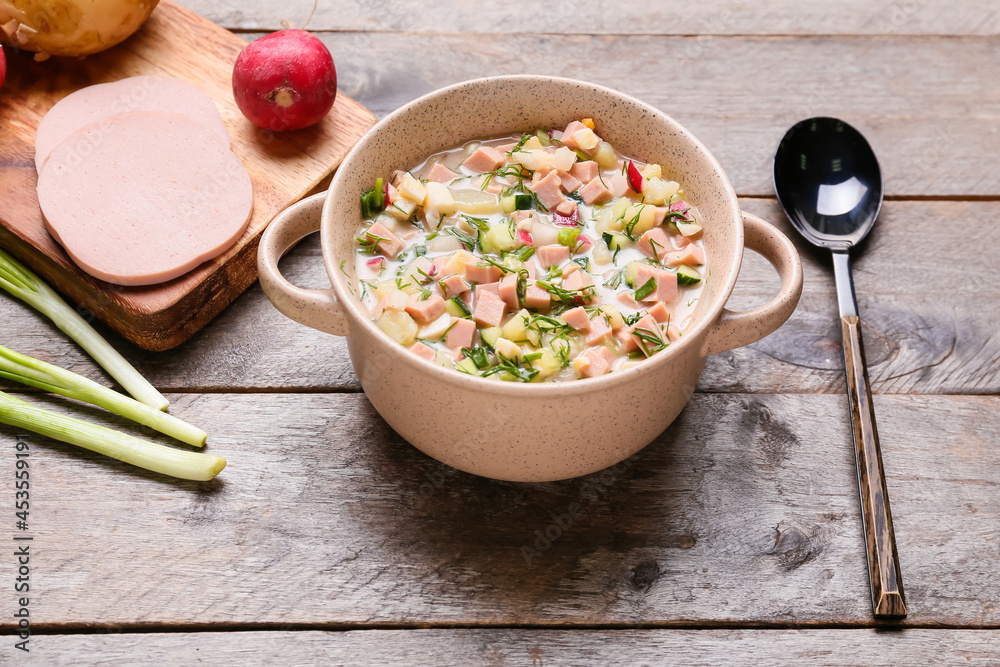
(516, 327)
(533, 160)
(509, 349)
(644, 217)
(439, 199)
(434, 330)
(563, 159)
(412, 189)
(399, 326)
(614, 316)
(605, 156)
(476, 202)
(442, 358)
(532, 144)
(656, 191)
(456, 263)
(586, 139)
(651, 171)
(688, 229)
(547, 365)
(401, 209)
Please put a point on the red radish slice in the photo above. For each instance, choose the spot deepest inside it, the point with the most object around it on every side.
(634, 178)
(144, 197)
(571, 220)
(524, 237)
(138, 93)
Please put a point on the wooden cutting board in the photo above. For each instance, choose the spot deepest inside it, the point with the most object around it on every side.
(283, 167)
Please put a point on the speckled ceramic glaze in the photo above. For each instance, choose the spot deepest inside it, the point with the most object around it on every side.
(508, 430)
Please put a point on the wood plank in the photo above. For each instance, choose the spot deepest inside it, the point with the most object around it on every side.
(282, 167)
(924, 333)
(743, 511)
(548, 648)
(776, 17)
(927, 104)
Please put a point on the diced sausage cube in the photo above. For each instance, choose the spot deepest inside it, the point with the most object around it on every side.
(566, 207)
(548, 191)
(571, 129)
(655, 243)
(390, 245)
(595, 192)
(452, 285)
(593, 362)
(489, 309)
(665, 281)
(535, 297)
(660, 312)
(599, 329)
(460, 334)
(568, 182)
(577, 318)
(423, 351)
(649, 327)
(618, 184)
(551, 255)
(508, 291)
(577, 281)
(585, 171)
(486, 158)
(425, 310)
(481, 272)
(441, 174)
(691, 255)
(488, 287)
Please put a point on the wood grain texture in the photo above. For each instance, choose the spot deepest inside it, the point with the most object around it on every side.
(926, 104)
(174, 42)
(885, 578)
(923, 334)
(743, 511)
(534, 648)
(718, 17)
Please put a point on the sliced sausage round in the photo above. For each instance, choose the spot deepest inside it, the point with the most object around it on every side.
(138, 93)
(144, 197)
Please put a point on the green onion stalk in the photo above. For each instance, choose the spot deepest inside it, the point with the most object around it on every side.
(142, 453)
(25, 285)
(36, 373)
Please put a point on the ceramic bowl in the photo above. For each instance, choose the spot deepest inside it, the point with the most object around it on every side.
(509, 430)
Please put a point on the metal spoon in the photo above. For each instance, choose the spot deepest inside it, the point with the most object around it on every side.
(829, 183)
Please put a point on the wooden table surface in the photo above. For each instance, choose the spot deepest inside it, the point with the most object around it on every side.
(734, 538)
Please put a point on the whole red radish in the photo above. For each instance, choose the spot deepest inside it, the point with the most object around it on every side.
(285, 80)
(3, 67)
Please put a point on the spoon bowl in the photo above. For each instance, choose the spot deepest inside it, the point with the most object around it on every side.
(828, 180)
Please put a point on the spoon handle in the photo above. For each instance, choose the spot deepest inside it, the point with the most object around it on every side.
(883, 563)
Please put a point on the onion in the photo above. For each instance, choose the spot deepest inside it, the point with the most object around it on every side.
(71, 27)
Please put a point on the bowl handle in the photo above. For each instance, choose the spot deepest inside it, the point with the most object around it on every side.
(735, 329)
(317, 308)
